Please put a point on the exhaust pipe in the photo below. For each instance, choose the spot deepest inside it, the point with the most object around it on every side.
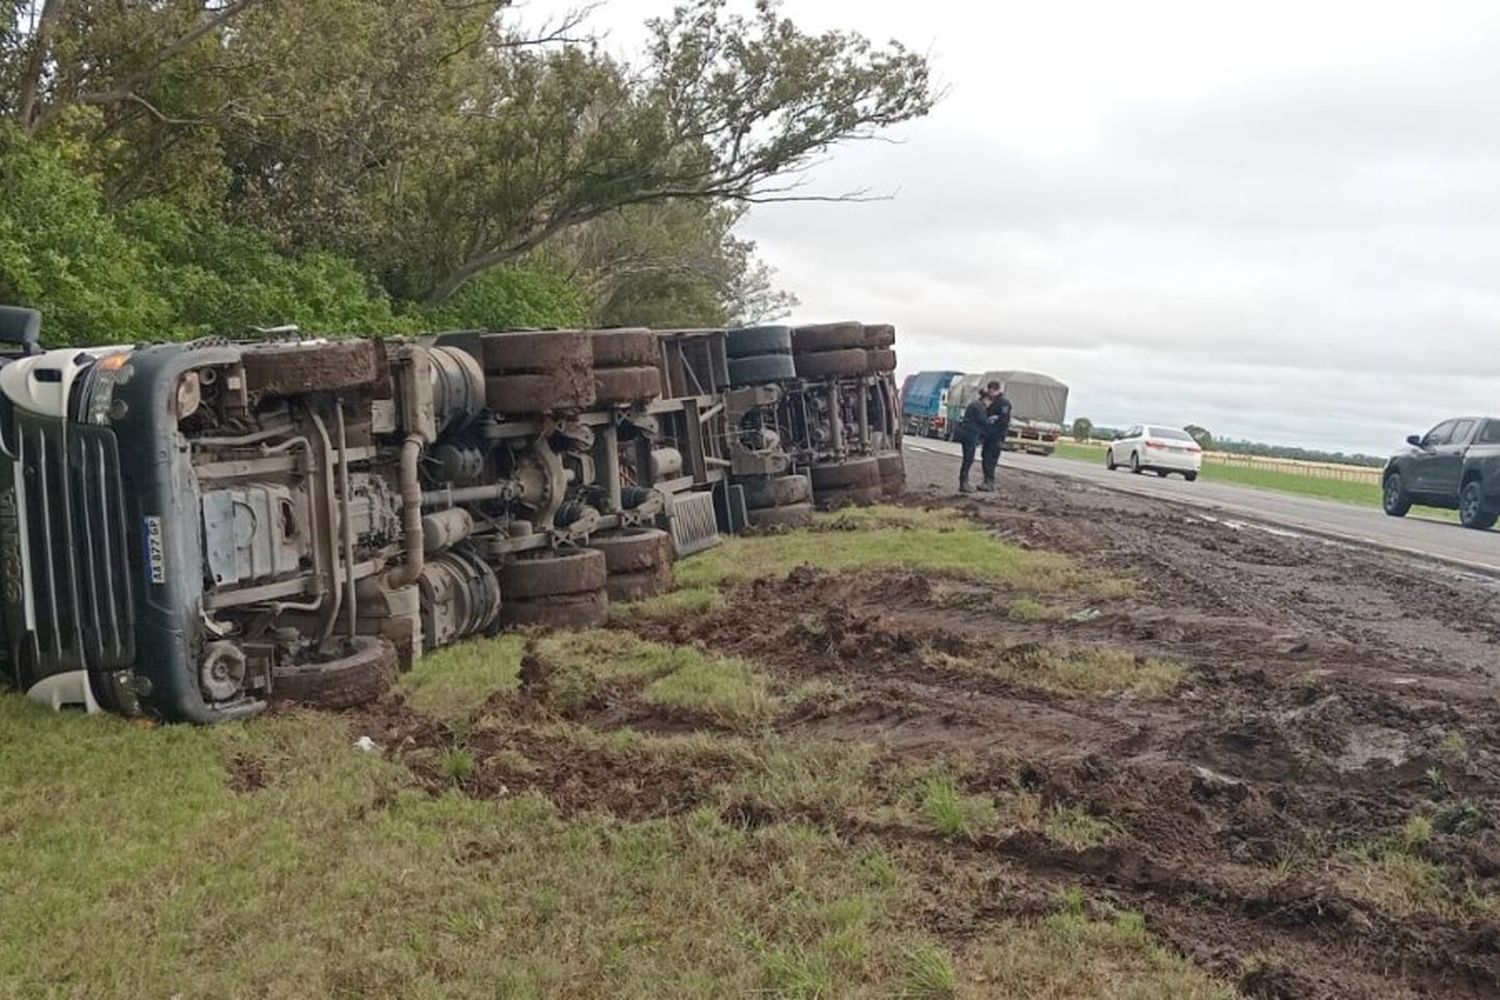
(411, 516)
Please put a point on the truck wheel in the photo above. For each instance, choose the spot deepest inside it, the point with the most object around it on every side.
(562, 611)
(853, 474)
(614, 386)
(289, 369)
(537, 353)
(574, 572)
(854, 496)
(892, 473)
(793, 515)
(1191, 477)
(852, 361)
(776, 491)
(625, 349)
(828, 337)
(879, 335)
(562, 390)
(881, 360)
(1472, 512)
(750, 341)
(627, 587)
(759, 369)
(633, 550)
(1393, 498)
(360, 677)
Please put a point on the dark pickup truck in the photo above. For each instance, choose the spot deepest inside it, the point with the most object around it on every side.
(1455, 465)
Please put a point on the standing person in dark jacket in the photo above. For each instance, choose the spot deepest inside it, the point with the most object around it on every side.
(996, 428)
(971, 433)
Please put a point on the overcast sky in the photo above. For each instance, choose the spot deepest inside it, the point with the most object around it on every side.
(1279, 220)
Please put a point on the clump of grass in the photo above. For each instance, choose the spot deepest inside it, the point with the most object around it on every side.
(1454, 747)
(579, 664)
(452, 683)
(1080, 670)
(1069, 954)
(1394, 876)
(684, 602)
(727, 690)
(1400, 884)
(1029, 609)
(884, 537)
(457, 764)
(953, 813)
(1070, 826)
(929, 974)
(1078, 829)
(1462, 818)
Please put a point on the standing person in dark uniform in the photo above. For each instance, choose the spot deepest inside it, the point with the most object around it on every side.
(971, 432)
(997, 426)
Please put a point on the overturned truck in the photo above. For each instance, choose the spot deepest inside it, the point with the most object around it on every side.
(191, 531)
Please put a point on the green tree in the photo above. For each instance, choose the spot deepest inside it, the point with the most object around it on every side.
(61, 252)
(1202, 436)
(1083, 429)
(672, 264)
(726, 109)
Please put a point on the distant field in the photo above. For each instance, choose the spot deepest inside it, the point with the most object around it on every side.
(1363, 494)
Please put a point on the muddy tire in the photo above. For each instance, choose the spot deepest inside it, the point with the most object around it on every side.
(761, 369)
(625, 349)
(858, 496)
(794, 515)
(881, 360)
(750, 341)
(828, 363)
(361, 677)
(626, 587)
(828, 337)
(856, 473)
(289, 369)
(531, 577)
(538, 353)
(892, 473)
(568, 611)
(879, 335)
(626, 385)
(776, 491)
(634, 550)
(561, 390)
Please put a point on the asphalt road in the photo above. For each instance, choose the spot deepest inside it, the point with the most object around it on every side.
(1446, 542)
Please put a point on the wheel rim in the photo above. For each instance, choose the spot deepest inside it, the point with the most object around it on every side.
(1392, 492)
(1135, 462)
(1469, 502)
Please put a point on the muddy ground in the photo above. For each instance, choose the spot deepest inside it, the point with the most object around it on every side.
(1331, 695)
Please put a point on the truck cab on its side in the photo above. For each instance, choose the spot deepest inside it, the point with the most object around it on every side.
(1456, 466)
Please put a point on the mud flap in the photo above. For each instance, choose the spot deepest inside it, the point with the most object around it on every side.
(693, 521)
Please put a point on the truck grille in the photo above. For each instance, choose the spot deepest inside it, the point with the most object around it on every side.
(78, 570)
(694, 525)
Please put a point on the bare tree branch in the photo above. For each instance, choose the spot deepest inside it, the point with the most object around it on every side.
(36, 60)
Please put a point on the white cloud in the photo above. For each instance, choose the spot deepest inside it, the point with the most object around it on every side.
(1279, 220)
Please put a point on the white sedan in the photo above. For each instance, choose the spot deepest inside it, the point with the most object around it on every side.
(1162, 450)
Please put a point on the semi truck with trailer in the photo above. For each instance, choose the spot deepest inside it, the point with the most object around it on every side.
(1039, 407)
(924, 403)
(193, 531)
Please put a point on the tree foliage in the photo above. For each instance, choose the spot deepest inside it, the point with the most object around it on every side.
(1083, 429)
(1201, 435)
(390, 154)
